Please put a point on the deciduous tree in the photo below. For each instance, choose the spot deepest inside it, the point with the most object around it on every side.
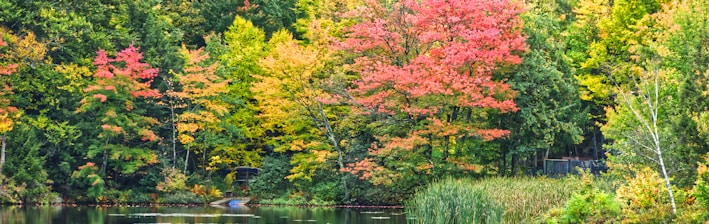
(427, 67)
(118, 86)
(8, 113)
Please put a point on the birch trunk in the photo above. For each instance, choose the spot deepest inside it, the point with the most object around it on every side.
(2, 154)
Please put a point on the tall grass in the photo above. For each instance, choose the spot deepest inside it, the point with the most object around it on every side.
(526, 199)
(491, 200)
(453, 201)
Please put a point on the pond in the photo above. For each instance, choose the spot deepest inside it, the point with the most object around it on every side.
(254, 215)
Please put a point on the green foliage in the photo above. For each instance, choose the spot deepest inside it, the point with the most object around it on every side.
(182, 197)
(271, 182)
(551, 115)
(325, 192)
(88, 180)
(295, 198)
(701, 187)
(590, 205)
(453, 201)
(25, 166)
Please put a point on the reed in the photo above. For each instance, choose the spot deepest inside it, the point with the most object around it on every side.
(451, 202)
(526, 199)
(490, 200)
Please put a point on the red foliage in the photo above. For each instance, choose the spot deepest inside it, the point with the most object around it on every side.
(117, 82)
(136, 75)
(430, 55)
(430, 60)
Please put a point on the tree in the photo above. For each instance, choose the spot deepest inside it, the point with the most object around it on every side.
(119, 83)
(550, 114)
(426, 73)
(638, 123)
(7, 113)
(244, 45)
(270, 16)
(293, 100)
(201, 93)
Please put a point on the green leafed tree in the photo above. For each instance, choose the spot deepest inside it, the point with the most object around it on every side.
(551, 115)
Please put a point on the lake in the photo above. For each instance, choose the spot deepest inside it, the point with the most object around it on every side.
(253, 215)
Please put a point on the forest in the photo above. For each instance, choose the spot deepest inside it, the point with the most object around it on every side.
(361, 102)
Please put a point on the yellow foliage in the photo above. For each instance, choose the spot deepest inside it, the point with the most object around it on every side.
(185, 139)
(75, 74)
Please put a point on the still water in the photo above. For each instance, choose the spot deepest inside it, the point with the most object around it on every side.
(253, 215)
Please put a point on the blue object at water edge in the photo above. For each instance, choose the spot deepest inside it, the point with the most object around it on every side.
(235, 203)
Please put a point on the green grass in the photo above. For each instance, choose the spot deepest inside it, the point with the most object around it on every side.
(526, 199)
(521, 200)
(453, 201)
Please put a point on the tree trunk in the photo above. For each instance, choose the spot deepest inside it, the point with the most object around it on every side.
(515, 164)
(595, 150)
(2, 153)
(502, 166)
(174, 138)
(667, 181)
(204, 160)
(187, 157)
(105, 157)
(335, 141)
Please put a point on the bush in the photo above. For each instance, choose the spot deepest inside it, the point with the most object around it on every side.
(113, 196)
(86, 177)
(139, 197)
(174, 181)
(590, 205)
(701, 187)
(326, 192)
(207, 194)
(183, 197)
(646, 200)
(454, 201)
(271, 182)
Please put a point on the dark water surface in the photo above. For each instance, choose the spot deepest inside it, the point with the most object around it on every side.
(253, 215)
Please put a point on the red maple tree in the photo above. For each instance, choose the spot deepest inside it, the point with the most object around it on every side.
(433, 61)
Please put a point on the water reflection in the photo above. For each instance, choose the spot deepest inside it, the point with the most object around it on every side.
(253, 215)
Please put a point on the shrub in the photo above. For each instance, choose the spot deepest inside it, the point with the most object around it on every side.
(645, 198)
(182, 197)
(325, 192)
(453, 201)
(174, 181)
(86, 177)
(271, 183)
(590, 205)
(139, 197)
(114, 196)
(701, 187)
(207, 194)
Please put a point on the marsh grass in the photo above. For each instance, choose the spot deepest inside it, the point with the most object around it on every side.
(526, 199)
(453, 201)
(491, 200)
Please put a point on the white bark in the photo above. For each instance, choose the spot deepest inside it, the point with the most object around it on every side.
(650, 104)
(2, 154)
